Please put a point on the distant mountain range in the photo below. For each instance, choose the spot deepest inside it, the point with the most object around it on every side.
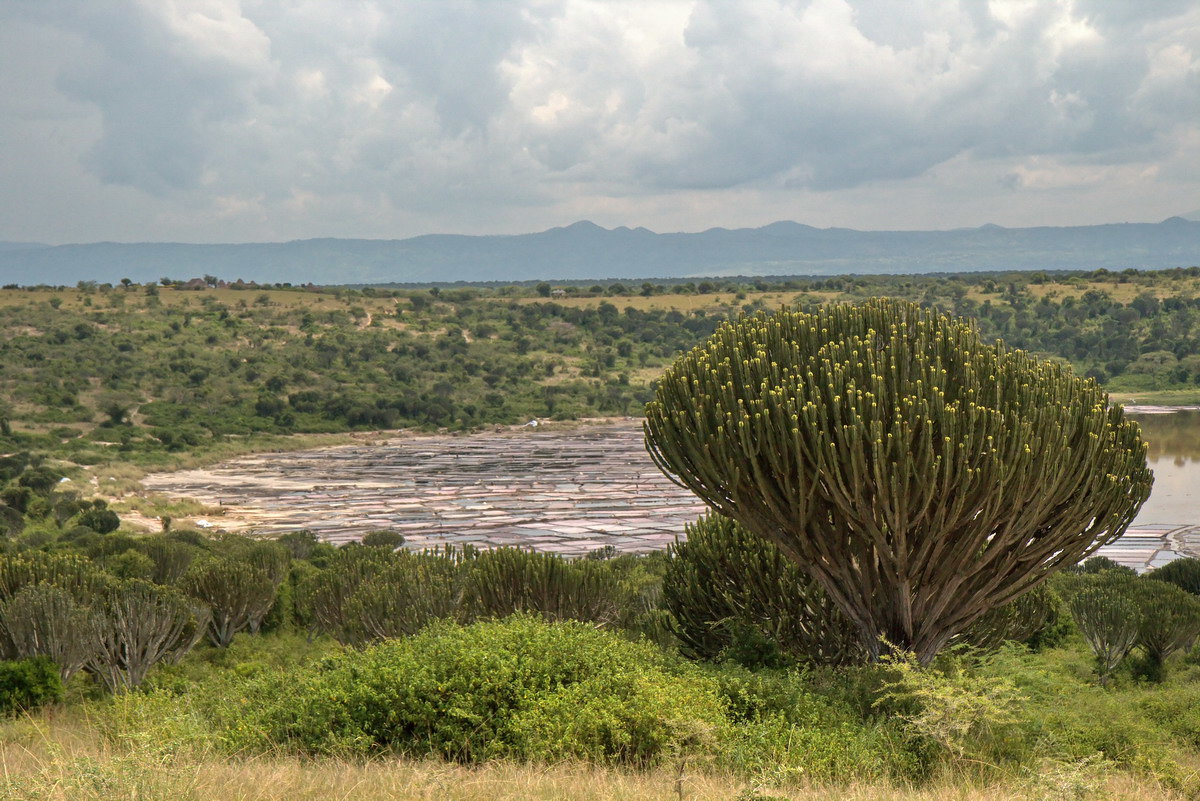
(586, 251)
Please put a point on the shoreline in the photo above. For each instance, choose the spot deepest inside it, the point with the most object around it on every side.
(1138, 408)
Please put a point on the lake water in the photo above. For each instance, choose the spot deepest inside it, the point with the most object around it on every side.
(1174, 455)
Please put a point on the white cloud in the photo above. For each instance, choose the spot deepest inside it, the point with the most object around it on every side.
(223, 120)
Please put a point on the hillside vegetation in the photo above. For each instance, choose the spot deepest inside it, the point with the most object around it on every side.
(139, 373)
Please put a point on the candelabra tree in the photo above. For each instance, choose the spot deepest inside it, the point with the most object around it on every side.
(920, 475)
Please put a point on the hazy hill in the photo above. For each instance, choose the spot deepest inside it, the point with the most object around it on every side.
(585, 250)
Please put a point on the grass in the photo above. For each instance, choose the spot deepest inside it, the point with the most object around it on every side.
(59, 756)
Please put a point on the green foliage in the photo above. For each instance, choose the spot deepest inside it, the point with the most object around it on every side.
(42, 620)
(300, 544)
(383, 539)
(1108, 614)
(959, 709)
(732, 594)
(507, 580)
(1102, 564)
(100, 520)
(238, 595)
(26, 684)
(1183, 573)
(484, 691)
(1033, 619)
(871, 442)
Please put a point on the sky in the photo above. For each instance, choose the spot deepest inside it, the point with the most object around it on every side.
(262, 120)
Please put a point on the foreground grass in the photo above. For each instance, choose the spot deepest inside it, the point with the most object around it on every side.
(60, 755)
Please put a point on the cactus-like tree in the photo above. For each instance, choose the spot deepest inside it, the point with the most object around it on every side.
(171, 558)
(1170, 622)
(1183, 573)
(45, 620)
(919, 474)
(1108, 614)
(322, 597)
(404, 597)
(238, 593)
(142, 624)
(723, 583)
(507, 580)
(78, 576)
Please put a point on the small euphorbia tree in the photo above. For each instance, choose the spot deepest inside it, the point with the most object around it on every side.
(920, 475)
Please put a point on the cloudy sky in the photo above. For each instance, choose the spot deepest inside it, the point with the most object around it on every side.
(264, 120)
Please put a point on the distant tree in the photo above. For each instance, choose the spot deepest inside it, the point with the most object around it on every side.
(383, 539)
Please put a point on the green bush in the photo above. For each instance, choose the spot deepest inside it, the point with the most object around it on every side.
(1183, 573)
(513, 688)
(507, 580)
(734, 595)
(27, 684)
(404, 597)
(781, 730)
(1033, 619)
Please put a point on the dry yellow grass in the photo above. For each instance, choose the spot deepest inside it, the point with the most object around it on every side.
(61, 757)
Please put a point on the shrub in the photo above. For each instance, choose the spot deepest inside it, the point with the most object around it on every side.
(729, 591)
(99, 519)
(27, 684)
(512, 688)
(507, 580)
(1102, 564)
(921, 475)
(383, 539)
(1032, 618)
(1183, 573)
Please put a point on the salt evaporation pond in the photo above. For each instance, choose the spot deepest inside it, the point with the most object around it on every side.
(569, 491)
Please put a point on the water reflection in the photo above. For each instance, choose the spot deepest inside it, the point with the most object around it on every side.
(1174, 455)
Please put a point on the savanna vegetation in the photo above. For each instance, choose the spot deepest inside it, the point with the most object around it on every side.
(155, 374)
(181, 664)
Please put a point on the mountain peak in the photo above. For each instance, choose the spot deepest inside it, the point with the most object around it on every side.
(582, 225)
